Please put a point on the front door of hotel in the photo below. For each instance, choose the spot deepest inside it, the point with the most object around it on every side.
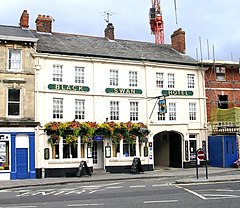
(97, 154)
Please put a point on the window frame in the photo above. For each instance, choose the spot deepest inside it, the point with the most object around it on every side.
(134, 110)
(171, 80)
(80, 113)
(161, 116)
(192, 107)
(79, 75)
(58, 109)
(172, 115)
(57, 73)
(113, 77)
(114, 110)
(159, 79)
(220, 73)
(19, 102)
(129, 150)
(191, 81)
(133, 78)
(19, 62)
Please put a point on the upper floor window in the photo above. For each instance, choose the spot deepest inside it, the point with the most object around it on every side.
(223, 101)
(190, 80)
(171, 80)
(133, 111)
(133, 79)
(57, 73)
(114, 110)
(161, 116)
(79, 75)
(220, 73)
(80, 109)
(113, 77)
(192, 112)
(172, 112)
(14, 59)
(159, 80)
(58, 108)
(14, 102)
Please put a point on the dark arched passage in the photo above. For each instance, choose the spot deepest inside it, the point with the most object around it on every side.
(167, 149)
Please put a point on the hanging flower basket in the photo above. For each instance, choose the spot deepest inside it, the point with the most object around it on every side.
(71, 139)
(54, 139)
(88, 130)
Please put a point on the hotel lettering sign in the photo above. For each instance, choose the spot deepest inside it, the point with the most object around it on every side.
(177, 92)
(123, 91)
(68, 87)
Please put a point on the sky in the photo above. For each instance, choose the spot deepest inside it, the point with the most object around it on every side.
(211, 26)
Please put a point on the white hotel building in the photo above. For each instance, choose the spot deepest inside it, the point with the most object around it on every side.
(103, 78)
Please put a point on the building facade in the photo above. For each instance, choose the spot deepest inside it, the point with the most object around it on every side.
(17, 110)
(94, 82)
(103, 79)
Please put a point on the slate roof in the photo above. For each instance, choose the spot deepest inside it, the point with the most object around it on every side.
(90, 46)
(16, 32)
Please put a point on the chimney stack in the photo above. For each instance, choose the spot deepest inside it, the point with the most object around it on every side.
(44, 24)
(178, 40)
(24, 20)
(109, 32)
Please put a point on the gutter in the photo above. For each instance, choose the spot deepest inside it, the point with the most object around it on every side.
(16, 38)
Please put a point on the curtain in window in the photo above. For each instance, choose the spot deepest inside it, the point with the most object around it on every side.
(14, 59)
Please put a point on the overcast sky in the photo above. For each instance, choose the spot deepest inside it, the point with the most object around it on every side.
(213, 24)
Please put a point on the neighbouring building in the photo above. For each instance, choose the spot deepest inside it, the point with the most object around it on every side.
(222, 82)
(17, 109)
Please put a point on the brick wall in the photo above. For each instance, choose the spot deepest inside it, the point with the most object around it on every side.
(230, 87)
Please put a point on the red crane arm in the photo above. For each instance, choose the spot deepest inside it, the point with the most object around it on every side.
(156, 22)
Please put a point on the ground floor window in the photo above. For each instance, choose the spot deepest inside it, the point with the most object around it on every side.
(55, 151)
(67, 150)
(4, 155)
(70, 150)
(116, 150)
(129, 149)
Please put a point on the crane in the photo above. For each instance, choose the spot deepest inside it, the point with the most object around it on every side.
(156, 21)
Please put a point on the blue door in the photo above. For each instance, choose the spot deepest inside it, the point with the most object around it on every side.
(230, 150)
(22, 163)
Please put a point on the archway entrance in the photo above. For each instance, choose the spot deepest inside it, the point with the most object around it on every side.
(167, 148)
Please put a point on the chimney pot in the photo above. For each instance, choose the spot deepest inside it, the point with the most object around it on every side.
(24, 20)
(109, 32)
(178, 40)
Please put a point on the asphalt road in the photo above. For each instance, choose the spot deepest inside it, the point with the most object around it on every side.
(128, 194)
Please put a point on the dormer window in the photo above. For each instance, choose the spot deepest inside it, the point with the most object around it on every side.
(220, 73)
(14, 59)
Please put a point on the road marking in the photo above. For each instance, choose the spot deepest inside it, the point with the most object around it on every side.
(82, 205)
(217, 196)
(114, 187)
(90, 187)
(165, 184)
(192, 192)
(164, 201)
(138, 186)
(20, 207)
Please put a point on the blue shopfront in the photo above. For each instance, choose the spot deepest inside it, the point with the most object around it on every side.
(17, 153)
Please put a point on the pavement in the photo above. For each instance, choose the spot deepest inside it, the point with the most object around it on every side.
(179, 175)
